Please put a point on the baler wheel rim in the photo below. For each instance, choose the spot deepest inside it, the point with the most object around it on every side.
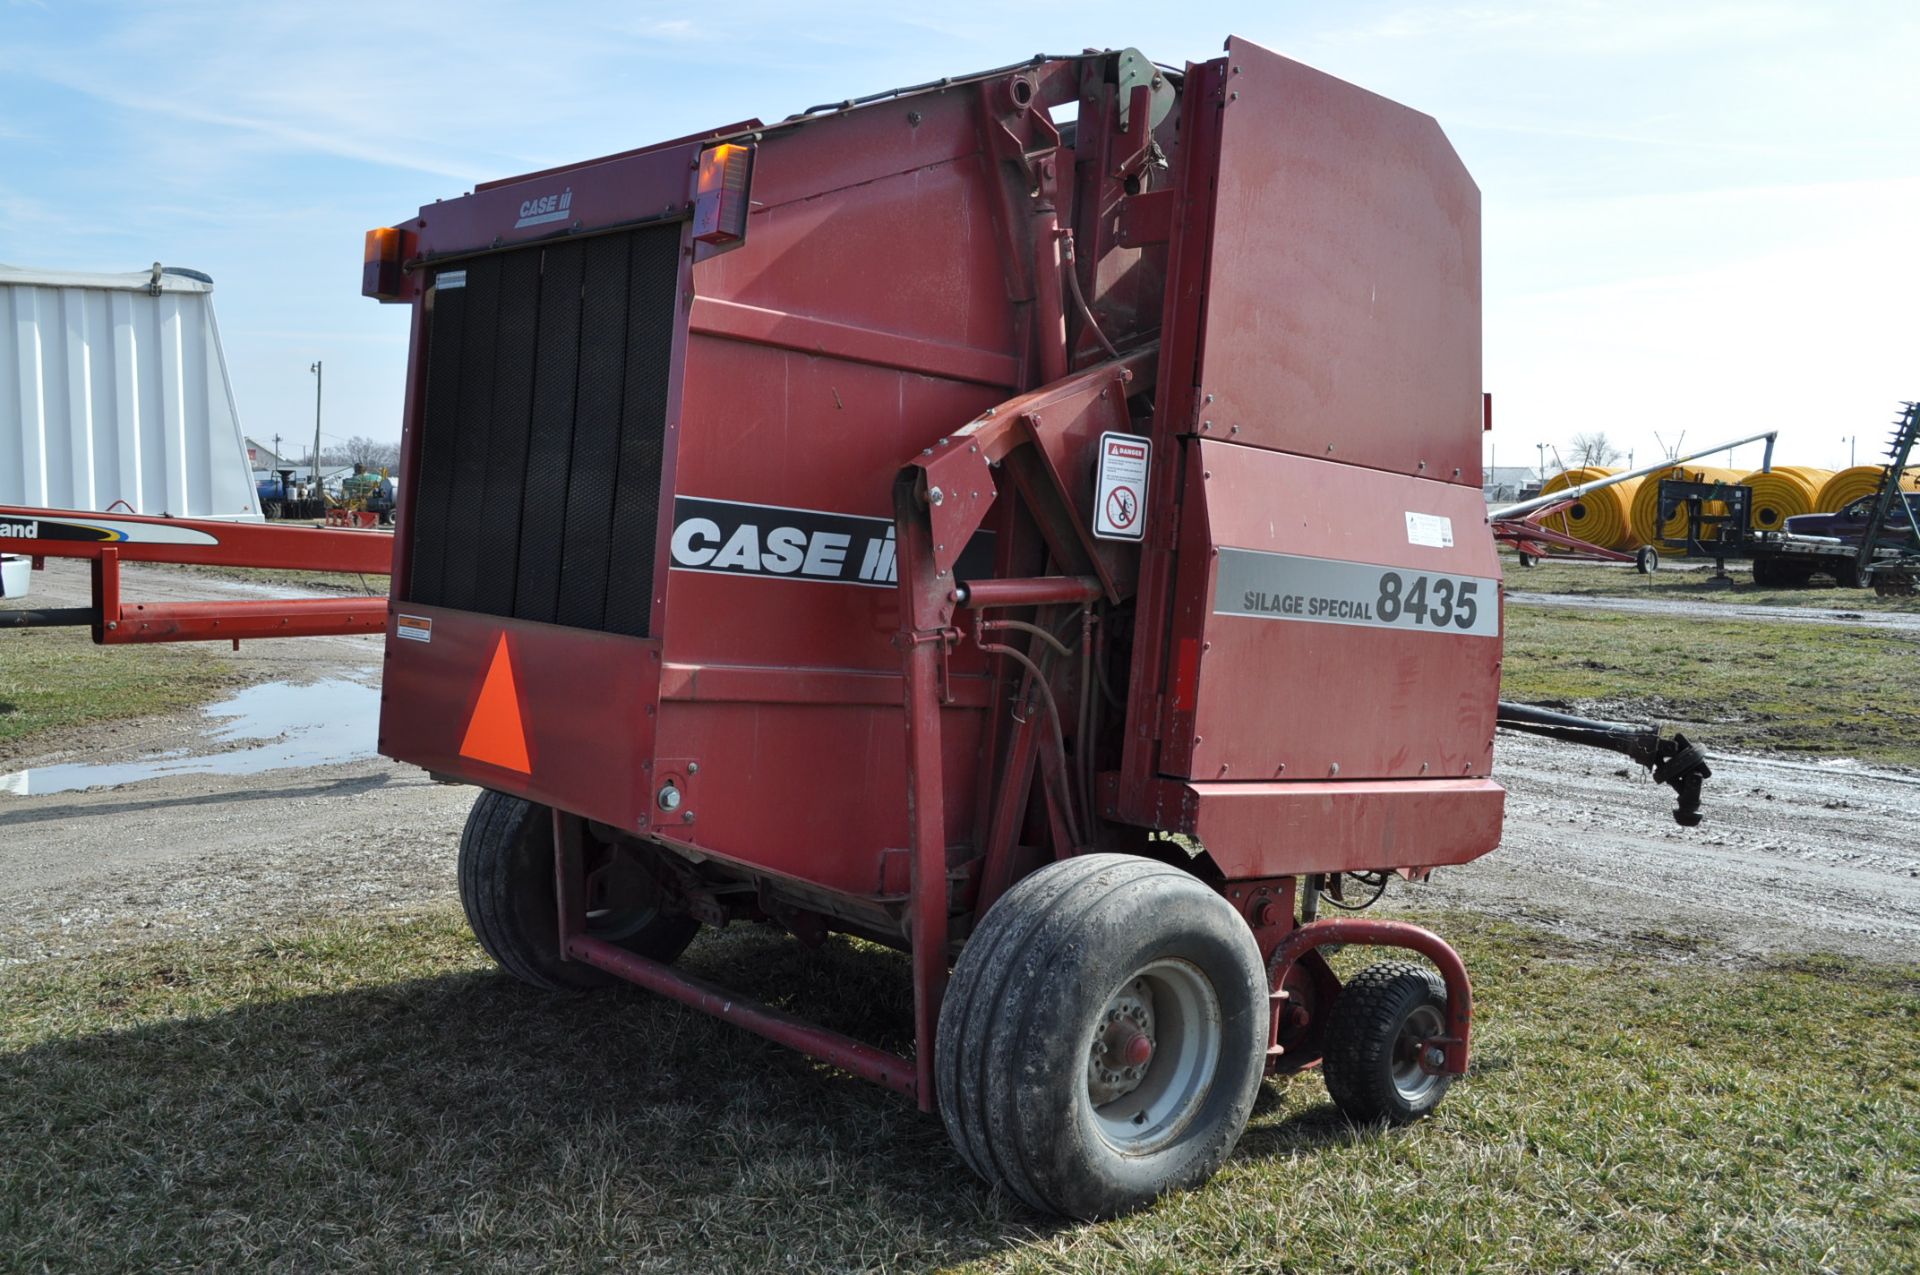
(1150, 1109)
(1410, 1077)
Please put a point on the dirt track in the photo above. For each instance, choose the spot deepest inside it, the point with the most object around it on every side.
(1900, 621)
(1793, 856)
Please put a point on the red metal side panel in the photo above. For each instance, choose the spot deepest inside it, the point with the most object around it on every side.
(1343, 288)
(815, 791)
(865, 316)
(1309, 677)
(1255, 830)
(586, 702)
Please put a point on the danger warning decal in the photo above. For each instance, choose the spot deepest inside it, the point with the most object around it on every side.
(1120, 495)
(730, 538)
(1280, 586)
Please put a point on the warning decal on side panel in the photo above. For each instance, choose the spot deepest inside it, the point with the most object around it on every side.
(414, 628)
(1281, 586)
(1120, 494)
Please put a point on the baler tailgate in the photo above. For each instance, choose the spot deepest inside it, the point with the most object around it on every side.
(542, 430)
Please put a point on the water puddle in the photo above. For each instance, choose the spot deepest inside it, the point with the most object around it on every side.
(269, 727)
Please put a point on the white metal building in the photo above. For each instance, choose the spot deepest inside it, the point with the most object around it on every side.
(114, 391)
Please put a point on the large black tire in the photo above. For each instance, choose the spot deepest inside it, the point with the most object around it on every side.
(1041, 1002)
(507, 888)
(1371, 1065)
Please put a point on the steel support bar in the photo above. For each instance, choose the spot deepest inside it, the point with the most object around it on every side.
(570, 902)
(923, 639)
(863, 1060)
(67, 533)
(242, 621)
(1523, 532)
(1367, 933)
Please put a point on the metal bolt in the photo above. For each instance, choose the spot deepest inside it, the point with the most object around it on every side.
(1436, 1057)
(1234, 429)
(669, 797)
(693, 768)
(936, 495)
(1206, 424)
(687, 818)
(1209, 398)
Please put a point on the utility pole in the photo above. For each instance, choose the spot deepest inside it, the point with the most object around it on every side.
(318, 380)
(1849, 440)
(1540, 470)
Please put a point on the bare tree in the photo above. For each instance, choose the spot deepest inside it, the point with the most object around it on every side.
(1592, 449)
(358, 450)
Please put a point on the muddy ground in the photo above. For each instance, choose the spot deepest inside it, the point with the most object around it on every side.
(1793, 856)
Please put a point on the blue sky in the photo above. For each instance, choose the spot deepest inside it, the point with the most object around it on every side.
(1697, 217)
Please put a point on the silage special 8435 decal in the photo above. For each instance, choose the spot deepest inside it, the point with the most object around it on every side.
(1281, 586)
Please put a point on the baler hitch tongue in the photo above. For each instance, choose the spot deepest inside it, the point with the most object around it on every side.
(1675, 761)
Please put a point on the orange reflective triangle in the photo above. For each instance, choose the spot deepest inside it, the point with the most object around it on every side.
(495, 734)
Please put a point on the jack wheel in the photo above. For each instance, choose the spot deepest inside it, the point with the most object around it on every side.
(1526, 559)
(507, 889)
(1104, 1036)
(1375, 1034)
(1647, 560)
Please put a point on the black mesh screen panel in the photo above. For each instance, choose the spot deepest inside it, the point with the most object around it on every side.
(542, 431)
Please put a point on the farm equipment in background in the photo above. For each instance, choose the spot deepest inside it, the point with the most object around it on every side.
(1030, 520)
(1874, 541)
(1524, 525)
(107, 542)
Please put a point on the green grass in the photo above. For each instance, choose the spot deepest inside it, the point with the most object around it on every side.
(1675, 585)
(375, 1098)
(54, 679)
(1733, 684)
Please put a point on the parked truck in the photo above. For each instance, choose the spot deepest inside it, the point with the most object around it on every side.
(114, 395)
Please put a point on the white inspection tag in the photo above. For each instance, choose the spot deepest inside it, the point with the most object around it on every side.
(1434, 530)
(450, 279)
(1120, 495)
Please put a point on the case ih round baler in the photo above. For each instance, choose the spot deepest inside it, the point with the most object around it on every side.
(1031, 520)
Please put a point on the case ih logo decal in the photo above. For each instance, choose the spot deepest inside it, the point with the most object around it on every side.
(797, 544)
(538, 212)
